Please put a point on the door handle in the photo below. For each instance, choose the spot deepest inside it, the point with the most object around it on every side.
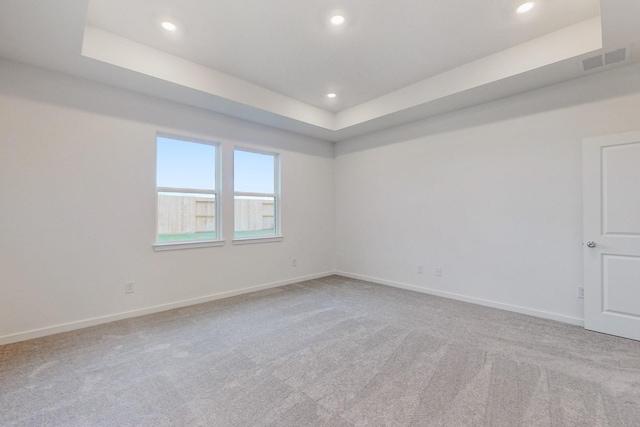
(591, 244)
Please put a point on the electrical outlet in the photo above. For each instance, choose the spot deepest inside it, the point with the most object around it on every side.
(129, 288)
(581, 292)
(438, 272)
(420, 269)
(294, 262)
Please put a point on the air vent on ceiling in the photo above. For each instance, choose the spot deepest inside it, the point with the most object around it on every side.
(608, 58)
(593, 62)
(615, 56)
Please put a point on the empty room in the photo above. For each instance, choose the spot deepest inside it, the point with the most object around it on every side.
(337, 213)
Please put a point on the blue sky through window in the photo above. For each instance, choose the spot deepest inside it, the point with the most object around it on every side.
(183, 164)
(253, 172)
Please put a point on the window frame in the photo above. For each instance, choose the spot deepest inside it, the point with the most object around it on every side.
(277, 209)
(216, 192)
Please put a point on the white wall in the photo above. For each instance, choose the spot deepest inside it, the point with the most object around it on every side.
(77, 206)
(491, 194)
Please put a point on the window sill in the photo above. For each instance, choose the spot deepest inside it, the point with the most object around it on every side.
(161, 247)
(252, 240)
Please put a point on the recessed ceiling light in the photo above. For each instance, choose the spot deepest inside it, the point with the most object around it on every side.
(525, 7)
(337, 19)
(169, 26)
(331, 95)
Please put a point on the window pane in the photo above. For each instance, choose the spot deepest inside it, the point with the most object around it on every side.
(186, 216)
(253, 172)
(183, 164)
(254, 216)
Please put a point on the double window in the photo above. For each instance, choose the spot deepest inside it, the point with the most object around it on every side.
(190, 203)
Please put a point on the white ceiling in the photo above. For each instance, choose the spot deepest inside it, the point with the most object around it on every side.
(290, 47)
(273, 62)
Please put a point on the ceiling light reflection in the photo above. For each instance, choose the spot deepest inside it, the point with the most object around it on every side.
(169, 26)
(525, 7)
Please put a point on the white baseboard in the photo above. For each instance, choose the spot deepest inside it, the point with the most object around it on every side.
(487, 303)
(66, 327)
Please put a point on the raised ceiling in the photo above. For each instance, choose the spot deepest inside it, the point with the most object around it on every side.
(291, 48)
(274, 62)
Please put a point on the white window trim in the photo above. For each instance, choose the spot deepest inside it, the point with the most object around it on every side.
(253, 240)
(193, 244)
(278, 236)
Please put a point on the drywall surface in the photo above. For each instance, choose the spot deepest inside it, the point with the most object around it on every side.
(491, 195)
(77, 206)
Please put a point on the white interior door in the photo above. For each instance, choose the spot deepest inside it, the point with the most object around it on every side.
(611, 186)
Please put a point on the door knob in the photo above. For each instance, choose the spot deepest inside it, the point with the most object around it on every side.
(591, 244)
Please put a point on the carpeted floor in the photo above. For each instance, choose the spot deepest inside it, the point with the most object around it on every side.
(328, 352)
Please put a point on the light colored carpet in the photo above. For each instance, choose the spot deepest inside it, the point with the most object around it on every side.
(327, 352)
